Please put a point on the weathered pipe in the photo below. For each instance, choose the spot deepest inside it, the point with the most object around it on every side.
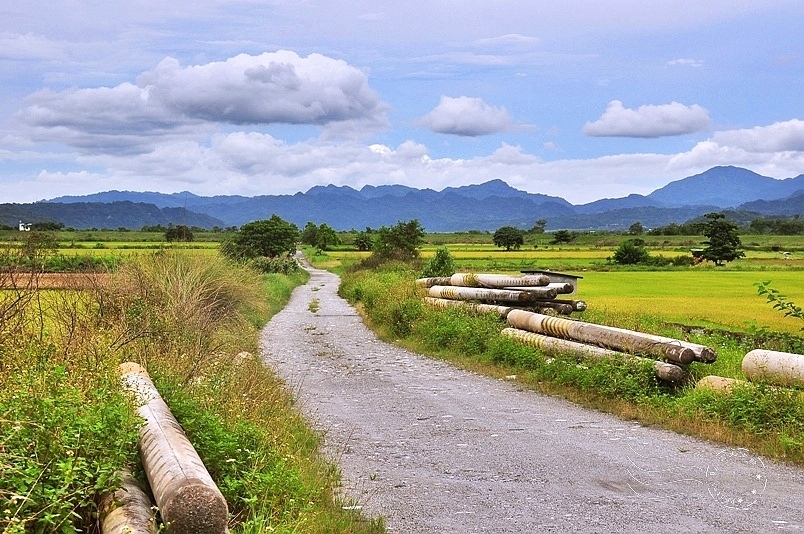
(433, 281)
(128, 510)
(718, 383)
(665, 371)
(554, 307)
(612, 338)
(481, 293)
(187, 497)
(498, 281)
(443, 304)
(702, 353)
(561, 289)
(780, 368)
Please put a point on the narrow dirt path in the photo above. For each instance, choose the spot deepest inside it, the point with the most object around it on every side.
(432, 448)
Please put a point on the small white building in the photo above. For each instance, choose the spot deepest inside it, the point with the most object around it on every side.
(25, 227)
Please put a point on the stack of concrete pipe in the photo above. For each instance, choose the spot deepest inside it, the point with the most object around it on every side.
(520, 300)
(536, 292)
(187, 497)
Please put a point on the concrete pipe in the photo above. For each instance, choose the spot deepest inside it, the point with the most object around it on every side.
(702, 353)
(498, 281)
(718, 383)
(551, 345)
(443, 304)
(780, 368)
(481, 293)
(433, 281)
(612, 338)
(128, 510)
(187, 497)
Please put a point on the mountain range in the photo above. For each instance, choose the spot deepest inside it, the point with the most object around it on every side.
(486, 206)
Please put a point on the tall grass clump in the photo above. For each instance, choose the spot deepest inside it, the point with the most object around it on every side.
(67, 430)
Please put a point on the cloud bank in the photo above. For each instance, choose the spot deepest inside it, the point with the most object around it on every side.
(171, 100)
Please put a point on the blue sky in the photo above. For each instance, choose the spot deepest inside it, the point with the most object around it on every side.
(578, 99)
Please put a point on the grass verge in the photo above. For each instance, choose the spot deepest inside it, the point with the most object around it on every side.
(66, 431)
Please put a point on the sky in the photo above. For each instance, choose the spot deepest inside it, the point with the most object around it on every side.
(581, 99)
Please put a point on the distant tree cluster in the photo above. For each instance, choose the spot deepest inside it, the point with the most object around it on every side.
(792, 226)
(687, 228)
(322, 237)
(179, 233)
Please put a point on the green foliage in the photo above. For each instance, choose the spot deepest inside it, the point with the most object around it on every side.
(179, 233)
(563, 236)
(363, 241)
(780, 302)
(441, 264)
(538, 227)
(631, 252)
(636, 229)
(509, 237)
(400, 242)
(281, 265)
(724, 242)
(62, 442)
(778, 226)
(271, 237)
(322, 237)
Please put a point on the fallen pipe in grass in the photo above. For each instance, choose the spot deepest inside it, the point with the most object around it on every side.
(604, 336)
(188, 499)
(551, 345)
(774, 367)
(127, 510)
(443, 304)
(497, 295)
(497, 281)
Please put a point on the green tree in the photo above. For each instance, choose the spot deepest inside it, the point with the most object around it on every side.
(309, 234)
(178, 233)
(631, 252)
(724, 243)
(563, 236)
(326, 237)
(538, 227)
(636, 228)
(269, 237)
(399, 242)
(363, 240)
(509, 237)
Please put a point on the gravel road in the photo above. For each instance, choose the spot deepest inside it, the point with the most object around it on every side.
(432, 448)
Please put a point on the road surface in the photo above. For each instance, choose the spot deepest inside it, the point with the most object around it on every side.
(432, 448)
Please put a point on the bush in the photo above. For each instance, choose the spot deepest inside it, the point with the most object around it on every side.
(631, 252)
(280, 265)
(441, 264)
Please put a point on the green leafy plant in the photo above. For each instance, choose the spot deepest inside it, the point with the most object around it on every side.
(779, 301)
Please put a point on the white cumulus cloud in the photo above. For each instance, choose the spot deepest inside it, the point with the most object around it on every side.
(648, 121)
(278, 87)
(778, 137)
(466, 116)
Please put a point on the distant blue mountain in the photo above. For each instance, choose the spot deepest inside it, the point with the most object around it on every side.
(485, 206)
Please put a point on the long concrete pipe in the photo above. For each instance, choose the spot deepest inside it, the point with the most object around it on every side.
(188, 499)
(612, 338)
(663, 370)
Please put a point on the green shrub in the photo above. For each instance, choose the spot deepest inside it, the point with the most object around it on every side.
(62, 445)
(441, 264)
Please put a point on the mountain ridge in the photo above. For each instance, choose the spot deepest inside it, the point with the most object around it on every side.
(485, 206)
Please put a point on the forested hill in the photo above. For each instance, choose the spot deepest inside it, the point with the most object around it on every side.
(486, 206)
